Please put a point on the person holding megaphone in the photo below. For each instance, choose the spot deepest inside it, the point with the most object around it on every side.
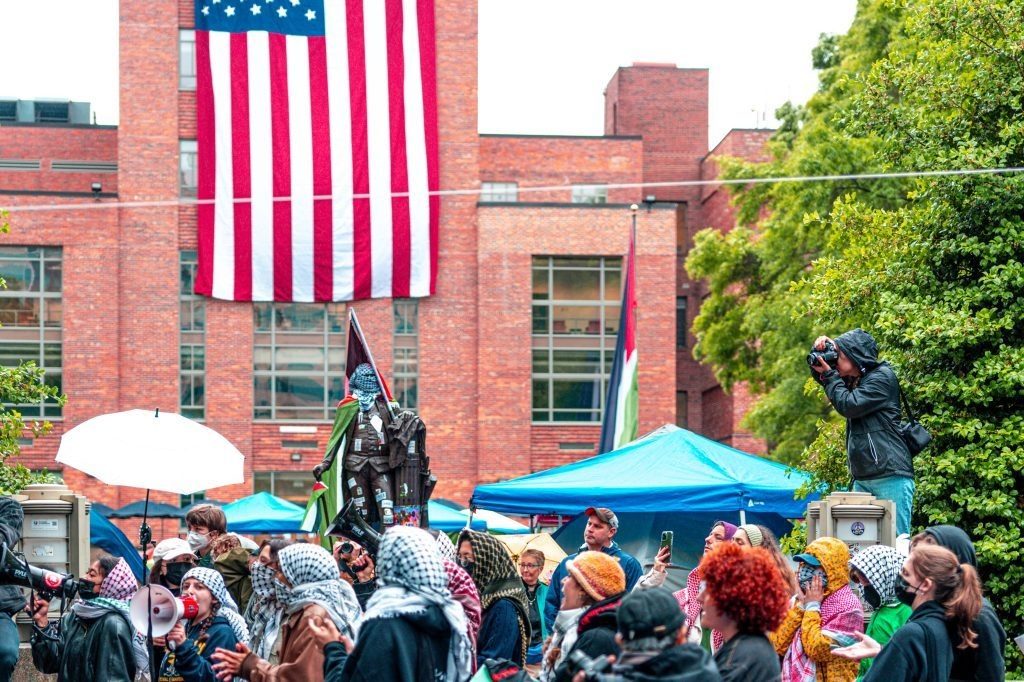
(212, 623)
(96, 640)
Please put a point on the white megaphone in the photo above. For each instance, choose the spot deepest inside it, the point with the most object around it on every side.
(157, 605)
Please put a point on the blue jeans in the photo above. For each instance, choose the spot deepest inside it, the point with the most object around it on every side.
(8, 647)
(899, 489)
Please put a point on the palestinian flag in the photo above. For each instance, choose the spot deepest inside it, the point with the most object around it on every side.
(358, 352)
(621, 407)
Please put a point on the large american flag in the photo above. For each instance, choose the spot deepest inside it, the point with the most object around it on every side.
(317, 142)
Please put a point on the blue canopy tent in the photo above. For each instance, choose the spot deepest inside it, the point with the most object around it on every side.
(109, 538)
(496, 523)
(156, 510)
(448, 520)
(671, 479)
(263, 513)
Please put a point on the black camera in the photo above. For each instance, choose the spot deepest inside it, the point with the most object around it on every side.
(595, 669)
(346, 548)
(830, 355)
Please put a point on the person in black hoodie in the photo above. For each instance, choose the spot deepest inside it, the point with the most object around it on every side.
(984, 663)
(412, 631)
(596, 578)
(867, 393)
(12, 600)
(939, 589)
(652, 634)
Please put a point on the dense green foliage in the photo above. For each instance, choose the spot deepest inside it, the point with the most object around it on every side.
(934, 268)
(22, 384)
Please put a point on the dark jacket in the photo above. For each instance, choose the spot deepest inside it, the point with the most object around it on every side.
(681, 663)
(191, 662)
(985, 662)
(97, 649)
(630, 566)
(499, 633)
(413, 648)
(874, 446)
(595, 635)
(920, 651)
(748, 658)
(12, 519)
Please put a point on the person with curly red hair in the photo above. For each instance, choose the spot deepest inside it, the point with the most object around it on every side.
(744, 597)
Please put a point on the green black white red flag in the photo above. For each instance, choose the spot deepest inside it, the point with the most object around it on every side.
(622, 403)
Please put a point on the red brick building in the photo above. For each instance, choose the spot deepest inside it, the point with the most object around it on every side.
(506, 364)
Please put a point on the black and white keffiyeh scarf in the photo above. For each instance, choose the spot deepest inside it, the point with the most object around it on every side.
(313, 574)
(412, 577)
(263, 615)
(880, 564)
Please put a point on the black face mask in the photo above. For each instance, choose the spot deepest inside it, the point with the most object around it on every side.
(872, 597)
(175, 572)
(467, 565)
(903, 592)
(88, 590)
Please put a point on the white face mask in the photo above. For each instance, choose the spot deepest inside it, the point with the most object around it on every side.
(197, 541)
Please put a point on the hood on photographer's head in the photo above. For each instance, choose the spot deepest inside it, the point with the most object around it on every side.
(12, 516)
(860, 347)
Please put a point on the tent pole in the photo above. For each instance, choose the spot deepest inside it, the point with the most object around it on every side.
(743, 517)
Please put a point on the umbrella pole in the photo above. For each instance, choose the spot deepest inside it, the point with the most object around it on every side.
(145, 535)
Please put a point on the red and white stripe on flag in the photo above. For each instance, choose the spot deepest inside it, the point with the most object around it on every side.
(317, 149)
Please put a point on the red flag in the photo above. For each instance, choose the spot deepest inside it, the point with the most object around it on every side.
(359, 352)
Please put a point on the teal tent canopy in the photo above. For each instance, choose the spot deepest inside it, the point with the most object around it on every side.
(669, 470)
(448, 520)
(263, 513)
(497, 524)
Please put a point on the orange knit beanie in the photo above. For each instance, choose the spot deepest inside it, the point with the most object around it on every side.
(598, 574)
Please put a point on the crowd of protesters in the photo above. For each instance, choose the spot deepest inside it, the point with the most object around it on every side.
(426, 608)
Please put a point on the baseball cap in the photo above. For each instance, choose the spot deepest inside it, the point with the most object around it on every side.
(807, 558)
(171, 548)
(652, 612)
(605, 514)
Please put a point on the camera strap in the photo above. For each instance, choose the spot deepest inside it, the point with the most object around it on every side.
(906, 404)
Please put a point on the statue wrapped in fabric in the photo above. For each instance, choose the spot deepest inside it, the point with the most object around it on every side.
(383, 468)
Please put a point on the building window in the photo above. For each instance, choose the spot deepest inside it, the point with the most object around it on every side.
(53, 112)
(298, 360)
(31, 316)
(499, 191)
(188, 500)
(576, 303)
(187, 60)
(291, 485)
(191, 341)
(682, 405)
(406, 345)
(681, 328)
(589, 194)
(8, 110)
(188, 171)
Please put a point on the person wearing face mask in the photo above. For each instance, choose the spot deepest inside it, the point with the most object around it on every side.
(985, 662)
(945, 596)
(315, 591)
(505, 626)
(205, 523)
(96, 640)
(191, 643)
(826, 603)
(172, 559)
(263, 615)
(875, 570)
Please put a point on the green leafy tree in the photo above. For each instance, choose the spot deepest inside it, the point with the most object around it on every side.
(939, 280)
(20, 385)
(750, 328)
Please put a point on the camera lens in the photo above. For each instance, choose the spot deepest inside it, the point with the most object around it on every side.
(347, 547)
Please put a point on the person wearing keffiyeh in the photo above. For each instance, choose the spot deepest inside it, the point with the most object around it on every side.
(96, 640)
(191, 643)
(505, 628)
(413, 630)
(315, 590)
(873, 572)
(263, 615)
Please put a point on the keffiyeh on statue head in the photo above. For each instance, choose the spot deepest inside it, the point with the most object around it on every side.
(364, 385)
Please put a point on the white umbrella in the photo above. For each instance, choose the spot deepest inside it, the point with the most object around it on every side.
(153, 450)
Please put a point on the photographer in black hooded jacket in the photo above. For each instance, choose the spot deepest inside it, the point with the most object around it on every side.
(867, 393)
(12, 600)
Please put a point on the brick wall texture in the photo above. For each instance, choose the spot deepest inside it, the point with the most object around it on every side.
(120, 284)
